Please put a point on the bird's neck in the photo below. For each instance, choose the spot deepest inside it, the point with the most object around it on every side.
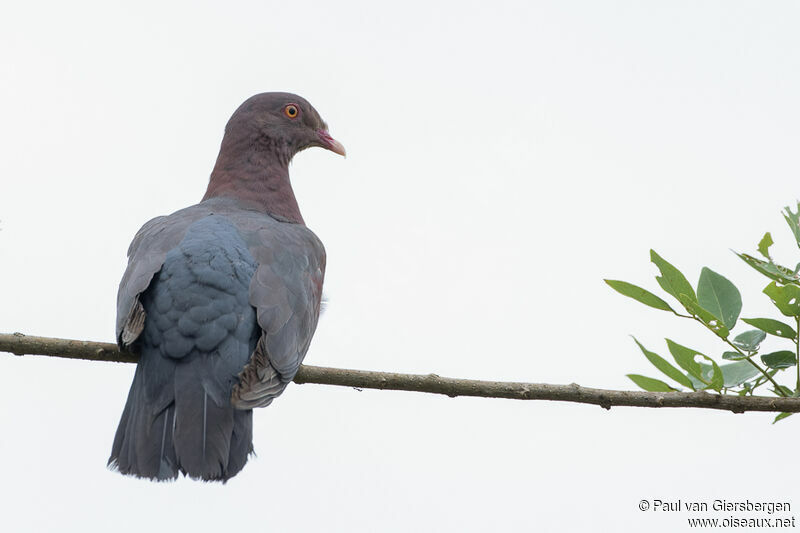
(257, 177)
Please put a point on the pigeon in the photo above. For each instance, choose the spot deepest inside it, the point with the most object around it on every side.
(220, 300)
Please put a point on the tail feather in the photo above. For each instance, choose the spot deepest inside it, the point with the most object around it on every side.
(241, 440)
(194, 434)
(167, 462)
(203, 428)
(143, 442)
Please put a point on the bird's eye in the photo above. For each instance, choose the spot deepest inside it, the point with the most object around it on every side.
(291, 111)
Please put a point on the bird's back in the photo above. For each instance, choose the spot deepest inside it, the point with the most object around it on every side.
(199, 334)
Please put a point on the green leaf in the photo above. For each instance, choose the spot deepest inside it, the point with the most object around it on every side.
(781, 417)
(717, 379)
(711, 322)
(785, 391)
(719, 296)
(785, 297)
(734, 374)
(764, 244)
(770, 269)
(712, 376)
(778, 360)
(639, 294)
(773, 327)
(733, 356)
(664, 366)
(698, 384)
(749, 340)
(793, 219)
(685, 358)
(650, 384)
(671, 279)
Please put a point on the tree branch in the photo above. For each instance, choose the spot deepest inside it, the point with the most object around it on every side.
(20, 344)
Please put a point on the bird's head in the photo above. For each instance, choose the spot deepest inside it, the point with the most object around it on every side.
(282, 123)
(260, 139)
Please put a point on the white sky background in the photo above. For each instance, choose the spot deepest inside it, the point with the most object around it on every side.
(501, 161)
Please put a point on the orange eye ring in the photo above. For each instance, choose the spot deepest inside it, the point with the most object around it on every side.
(291, 111)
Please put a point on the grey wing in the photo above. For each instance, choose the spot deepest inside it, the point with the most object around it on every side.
(286, 291)
(145, 258)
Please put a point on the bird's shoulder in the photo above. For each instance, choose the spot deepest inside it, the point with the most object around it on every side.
(257, 228)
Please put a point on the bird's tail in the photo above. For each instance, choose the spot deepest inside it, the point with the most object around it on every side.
(178, 419)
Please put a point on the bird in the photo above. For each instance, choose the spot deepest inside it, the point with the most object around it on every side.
(220, 300)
